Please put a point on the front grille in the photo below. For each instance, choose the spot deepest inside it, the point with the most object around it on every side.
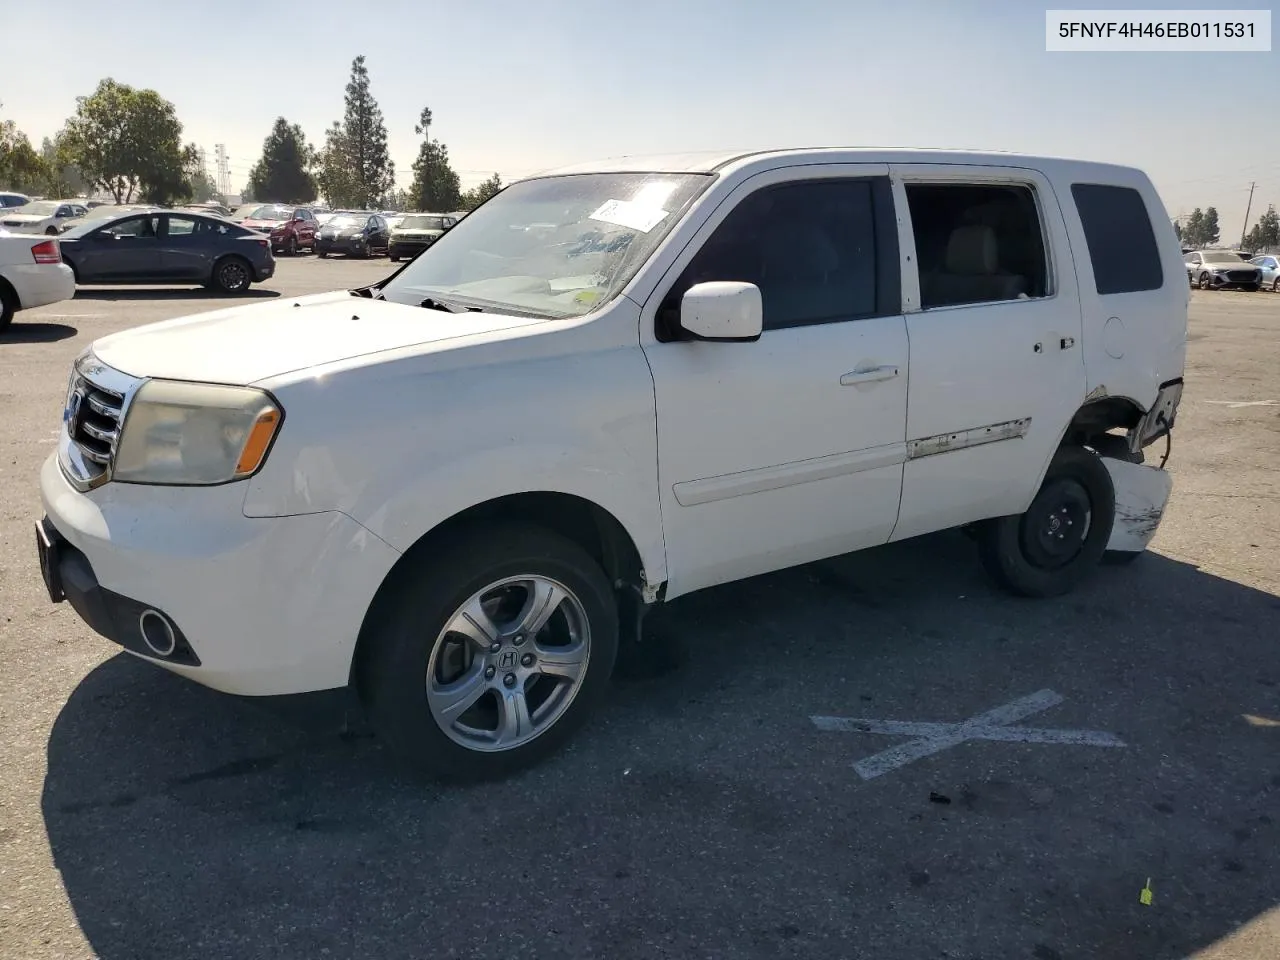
(95, 426)
(97, 399)
(1242, 276)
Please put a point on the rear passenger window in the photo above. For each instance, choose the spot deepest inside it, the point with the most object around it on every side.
(1122, 245)
(810, 248)
(977, 243)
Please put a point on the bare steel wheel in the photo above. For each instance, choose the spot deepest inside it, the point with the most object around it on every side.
(508, 663)
(486, 650)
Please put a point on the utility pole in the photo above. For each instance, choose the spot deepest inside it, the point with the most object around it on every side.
(1248, 207)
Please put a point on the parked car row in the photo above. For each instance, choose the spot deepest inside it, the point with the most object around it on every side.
(1223, 270)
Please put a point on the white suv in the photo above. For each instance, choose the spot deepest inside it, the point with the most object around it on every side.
(456, 490)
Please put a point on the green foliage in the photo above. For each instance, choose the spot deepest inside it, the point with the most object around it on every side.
(436, 186)
(478, 195)
(355, 168)
(125, 141)
(1265, 234)
(1201, 229)
(1177, 229)
(21, 168)
(283, 175)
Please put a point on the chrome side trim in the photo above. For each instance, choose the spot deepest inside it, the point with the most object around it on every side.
(693, 492)
(963, 439)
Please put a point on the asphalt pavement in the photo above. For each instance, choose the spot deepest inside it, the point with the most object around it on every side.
(1121, 739)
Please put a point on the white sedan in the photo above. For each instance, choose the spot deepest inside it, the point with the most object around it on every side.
(42, 216)
(31, 274)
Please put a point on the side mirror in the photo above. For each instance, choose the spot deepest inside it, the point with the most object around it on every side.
(722, 311)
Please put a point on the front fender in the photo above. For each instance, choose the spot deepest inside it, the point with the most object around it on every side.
(402, 450)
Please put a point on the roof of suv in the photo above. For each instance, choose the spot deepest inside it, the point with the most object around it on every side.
(717, 160)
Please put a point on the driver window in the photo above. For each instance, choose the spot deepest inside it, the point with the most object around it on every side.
(810, 247)
(136, 227)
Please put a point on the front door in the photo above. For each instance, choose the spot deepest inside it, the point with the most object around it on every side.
(997, 367)
(128, 250)
(788, 449)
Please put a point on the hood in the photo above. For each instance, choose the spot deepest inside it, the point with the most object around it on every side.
(415, 232)
(261, 224)
(242, 345)
(12, 218)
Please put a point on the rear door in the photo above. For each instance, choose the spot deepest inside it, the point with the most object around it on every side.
(186, 250)
(994, 323)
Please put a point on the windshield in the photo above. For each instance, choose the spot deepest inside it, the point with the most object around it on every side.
(89, 224)
(421, 223)
(39, 208)
(1221, 256)
(267, 212)
(553, 247)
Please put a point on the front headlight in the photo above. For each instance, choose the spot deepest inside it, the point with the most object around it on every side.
(195, 433)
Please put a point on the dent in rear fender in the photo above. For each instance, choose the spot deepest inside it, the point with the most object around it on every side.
(1142, 494)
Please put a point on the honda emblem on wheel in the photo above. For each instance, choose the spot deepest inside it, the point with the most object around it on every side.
(508, 660)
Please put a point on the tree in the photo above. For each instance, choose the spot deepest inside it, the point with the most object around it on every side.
(1211, 229)
(64, 178)
(21, 168)
(123, 140)
(1265, 234)
(363, 143)
(436, 185)
(333, 169)
(283, 175)
(174, 182)
(478, 195)
(1177, 229)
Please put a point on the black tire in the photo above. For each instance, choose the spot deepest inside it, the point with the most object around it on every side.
(232, 275)
(291, 247)
(393, 256)
(8, 305)
(1253, 287)
(1040, 553)
(321, 253)
(1275, 285)
(1204, 281)
(1116, 447)
(51, 232)
(392, 672)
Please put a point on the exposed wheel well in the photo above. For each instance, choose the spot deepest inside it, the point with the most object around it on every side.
(1099, 417)
(592, 527)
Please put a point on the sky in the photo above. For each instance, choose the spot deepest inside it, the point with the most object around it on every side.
(515, 88)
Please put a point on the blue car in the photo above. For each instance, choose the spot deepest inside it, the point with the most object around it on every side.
(165, 247)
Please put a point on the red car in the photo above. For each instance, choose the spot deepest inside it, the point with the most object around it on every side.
(290, 228)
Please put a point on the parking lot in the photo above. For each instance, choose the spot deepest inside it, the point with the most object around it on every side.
(705, 813)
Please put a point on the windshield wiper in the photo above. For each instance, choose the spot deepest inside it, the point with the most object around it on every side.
(431, 303)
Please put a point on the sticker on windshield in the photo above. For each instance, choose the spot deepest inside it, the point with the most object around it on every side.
(628, 213)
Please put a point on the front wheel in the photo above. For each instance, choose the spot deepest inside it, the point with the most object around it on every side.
(1275, 285)
(489, 651)
(1204, 281)
(291, 247)
(1253, 288)
(1061, 537)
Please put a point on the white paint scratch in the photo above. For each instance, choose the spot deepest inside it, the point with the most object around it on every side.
(932, 737)
(1237, 404)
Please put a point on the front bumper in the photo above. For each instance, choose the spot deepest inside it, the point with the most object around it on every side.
(260, 606)
(37, 284)
(341, 244)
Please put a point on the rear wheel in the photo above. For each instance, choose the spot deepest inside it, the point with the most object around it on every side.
(232, 275)
(1061, 537)
(321, 253)
(489, 652)
(51, 232)
(8, 305)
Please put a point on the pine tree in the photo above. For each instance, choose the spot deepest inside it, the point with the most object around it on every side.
(364, 142)
(436, 186)
(282, 175)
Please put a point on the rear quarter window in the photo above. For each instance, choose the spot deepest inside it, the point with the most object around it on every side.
(1122, 245)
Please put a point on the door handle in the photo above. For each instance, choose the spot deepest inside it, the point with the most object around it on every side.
(871, 375)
